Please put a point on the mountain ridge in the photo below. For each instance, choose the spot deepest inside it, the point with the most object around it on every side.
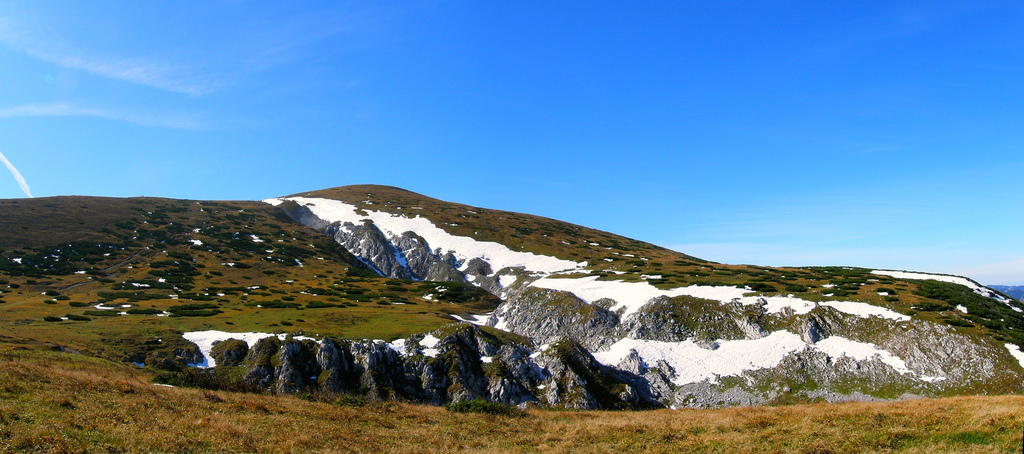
(572, 317)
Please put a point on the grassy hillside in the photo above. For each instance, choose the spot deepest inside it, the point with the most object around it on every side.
(173, 265)
(244, 266)
(61, 402)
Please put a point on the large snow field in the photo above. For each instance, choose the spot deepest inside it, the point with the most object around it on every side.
(693, 363)
(631, 296)
(465, 248)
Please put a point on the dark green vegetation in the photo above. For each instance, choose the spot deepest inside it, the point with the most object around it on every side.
(483, 406)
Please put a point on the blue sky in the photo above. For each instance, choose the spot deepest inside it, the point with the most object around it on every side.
(877, 134)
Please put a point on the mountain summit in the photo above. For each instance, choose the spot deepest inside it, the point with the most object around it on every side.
(383, 292)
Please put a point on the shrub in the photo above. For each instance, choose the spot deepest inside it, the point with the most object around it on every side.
(77, 318)
(762, 287)
(959, 322)
(50, 318)
(319, 304)
(483, 406)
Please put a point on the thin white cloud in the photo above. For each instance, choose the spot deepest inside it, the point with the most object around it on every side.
(65, 110)
(17, 175)
(162, 75)
(156, 74)
(257, 42)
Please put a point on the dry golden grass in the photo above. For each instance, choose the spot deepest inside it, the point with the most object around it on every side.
(55, 402)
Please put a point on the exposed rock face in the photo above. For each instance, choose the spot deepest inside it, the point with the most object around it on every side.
(298, 367)
(230, 352)
(190, 355)
(469, 364)
(406, 256)
(369, 243)
(577, 380)
(259, 365)
(549, 315)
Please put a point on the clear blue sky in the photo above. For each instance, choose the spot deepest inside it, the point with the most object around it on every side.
(878, 134)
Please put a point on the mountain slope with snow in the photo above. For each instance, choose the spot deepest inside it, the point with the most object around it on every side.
(377, 290)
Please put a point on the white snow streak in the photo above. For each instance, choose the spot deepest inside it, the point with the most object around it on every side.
(479, 320)
(836, 347)
(1015, 351)
(631, 296)
(944, 278)
(465, 248)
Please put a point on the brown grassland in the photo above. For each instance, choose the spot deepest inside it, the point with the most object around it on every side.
(61, 402)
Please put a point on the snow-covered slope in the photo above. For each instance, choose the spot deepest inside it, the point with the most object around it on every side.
(851, 333)
(497, 255)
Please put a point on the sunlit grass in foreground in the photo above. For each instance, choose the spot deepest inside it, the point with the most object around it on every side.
(59, 402)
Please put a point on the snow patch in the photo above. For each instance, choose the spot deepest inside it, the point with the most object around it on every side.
(429, 344)
(205, 340)
(507, 280)
(837, 347)
(1015, 351)
(865, 310)
(944, 278)
(479, 320)
(631, 296)
(694, 363)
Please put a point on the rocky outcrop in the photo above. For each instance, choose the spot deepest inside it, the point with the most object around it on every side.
(230, 352)
(577, 380)
(469, 364)
(405, 256)
(547, 316)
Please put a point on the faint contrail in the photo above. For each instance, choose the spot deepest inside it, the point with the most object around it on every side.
(17, 175)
